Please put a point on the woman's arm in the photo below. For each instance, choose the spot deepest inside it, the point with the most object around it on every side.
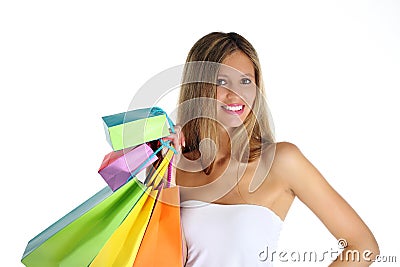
(307, 183)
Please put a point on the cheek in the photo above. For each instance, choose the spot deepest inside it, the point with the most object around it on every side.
(220, 93)
(249, 96)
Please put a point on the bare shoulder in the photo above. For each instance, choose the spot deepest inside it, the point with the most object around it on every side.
(292, 168)
(285, 155)
(287, 152)
(288, 162)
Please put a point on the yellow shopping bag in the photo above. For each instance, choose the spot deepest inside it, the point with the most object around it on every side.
(122, 247)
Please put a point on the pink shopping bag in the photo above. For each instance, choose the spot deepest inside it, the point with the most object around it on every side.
(119, 166)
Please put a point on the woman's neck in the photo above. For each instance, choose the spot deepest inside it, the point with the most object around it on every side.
(224, 150)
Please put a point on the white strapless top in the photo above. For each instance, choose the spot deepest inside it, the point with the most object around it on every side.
(219, 235)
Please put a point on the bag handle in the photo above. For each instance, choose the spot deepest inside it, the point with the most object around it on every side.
(161, 169)
(160, 111)
(163, 144)
(169, 178)
(157, 111)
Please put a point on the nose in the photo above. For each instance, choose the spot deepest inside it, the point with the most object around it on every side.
(231, 93)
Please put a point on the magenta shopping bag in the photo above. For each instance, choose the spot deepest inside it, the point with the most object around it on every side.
(119, 166)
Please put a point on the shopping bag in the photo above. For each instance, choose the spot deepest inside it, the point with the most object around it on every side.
(122, 247)
(118, 166)
(163, 234)
(136, 127)
(77, 238)
(76, 243)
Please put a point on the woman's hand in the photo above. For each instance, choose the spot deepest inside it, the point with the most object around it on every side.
(177, 138)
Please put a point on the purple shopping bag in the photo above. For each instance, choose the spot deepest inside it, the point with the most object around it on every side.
(118, 166)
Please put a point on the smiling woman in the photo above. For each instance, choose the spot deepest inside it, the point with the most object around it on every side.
(237, 184)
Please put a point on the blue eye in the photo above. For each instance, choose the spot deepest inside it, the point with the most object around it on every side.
(221, 82)
(245, 81)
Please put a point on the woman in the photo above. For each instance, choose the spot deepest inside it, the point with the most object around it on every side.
(237, 183)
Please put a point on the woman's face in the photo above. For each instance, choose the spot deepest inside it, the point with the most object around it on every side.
(236, 89)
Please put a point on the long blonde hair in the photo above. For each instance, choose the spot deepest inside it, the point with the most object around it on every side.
(195, 113)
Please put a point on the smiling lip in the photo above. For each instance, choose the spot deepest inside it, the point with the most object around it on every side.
(234, 112)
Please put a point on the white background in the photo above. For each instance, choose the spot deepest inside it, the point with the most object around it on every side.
(331, 70)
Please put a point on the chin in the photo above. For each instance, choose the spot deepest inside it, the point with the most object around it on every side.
(231, 123)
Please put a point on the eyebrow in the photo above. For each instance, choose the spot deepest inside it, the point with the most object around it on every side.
(248, 74)
(243, 75)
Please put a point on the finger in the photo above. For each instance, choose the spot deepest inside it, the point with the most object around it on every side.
(177, 138)
(177, 129)
(182, 140)
(177, 144)
(175, 141)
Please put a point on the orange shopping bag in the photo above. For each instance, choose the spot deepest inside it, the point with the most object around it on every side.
(163, 234)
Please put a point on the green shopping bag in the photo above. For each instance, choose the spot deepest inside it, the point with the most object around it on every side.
(134, 127)
(76, 243)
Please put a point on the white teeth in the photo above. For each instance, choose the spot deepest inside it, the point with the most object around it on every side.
(234, 108)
